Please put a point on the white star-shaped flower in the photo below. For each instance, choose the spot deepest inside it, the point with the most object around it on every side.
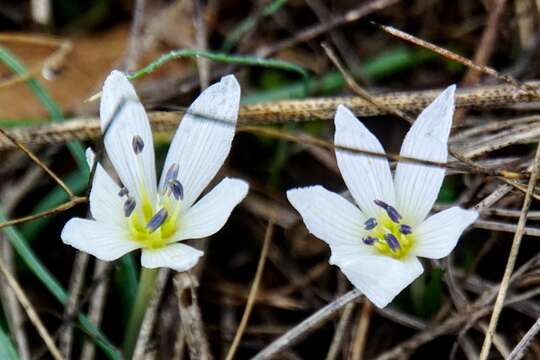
(377, 246)
(142, 215)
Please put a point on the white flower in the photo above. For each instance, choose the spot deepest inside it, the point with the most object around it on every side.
(377, 245)
(141, 215)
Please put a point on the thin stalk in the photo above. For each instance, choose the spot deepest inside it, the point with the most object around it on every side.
(144, 295)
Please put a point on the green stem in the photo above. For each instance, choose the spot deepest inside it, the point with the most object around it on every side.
(144, 295)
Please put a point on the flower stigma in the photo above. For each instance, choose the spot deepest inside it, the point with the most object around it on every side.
(387, 234)
(154, 223)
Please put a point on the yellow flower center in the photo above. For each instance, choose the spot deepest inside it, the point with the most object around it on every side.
(386, 226)
(388, 234)
(139, 221)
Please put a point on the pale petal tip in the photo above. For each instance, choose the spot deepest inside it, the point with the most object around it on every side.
(343, 113)
(115, 76)
(241, 186)
(90, 157)
(230, 84)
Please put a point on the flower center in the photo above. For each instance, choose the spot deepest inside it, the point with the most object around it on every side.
(388, 234)
(153, 223)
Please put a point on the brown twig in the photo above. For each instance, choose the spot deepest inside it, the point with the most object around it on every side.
(358, 90)
(203, 65)
(316, 30)
(310, 324)
(460, 59)
(63, 207)
(252, 291)
(487, 42)
(335, 345)
(190, 314)
(511, 257)
(97, 304)
(38, 162)
(519, 351)
(75, 287)
(32, 315)
(481, 97)
(150, 315)
(360, 337)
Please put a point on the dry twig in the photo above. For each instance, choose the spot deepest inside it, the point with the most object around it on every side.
(511, 258)
(252, 291)
(32, 315)
(190, 314)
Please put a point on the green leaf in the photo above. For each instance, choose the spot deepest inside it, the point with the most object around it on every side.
(220, 57)
(50, 282)
(7, 349)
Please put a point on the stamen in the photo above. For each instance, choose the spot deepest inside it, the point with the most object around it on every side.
(392, 242)
(172, 173)
(123, 191)
(405, 229)
(393, 214)
(157, 220)
(370, 224)
(129, 206)
(138, 144)
(176, 189)
(369, 240)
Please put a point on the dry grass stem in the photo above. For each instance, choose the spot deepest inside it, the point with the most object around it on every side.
(520, 350)
(460, 59)
(97, 305)
(362, 328)
(75, 287)
(337, 339)
(481, 97)
(32, 315)
(191, 320)
(310, 324)
(150, 316)
(252, 292)
(511, 258)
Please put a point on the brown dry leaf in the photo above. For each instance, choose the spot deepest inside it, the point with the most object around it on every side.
(85, 68)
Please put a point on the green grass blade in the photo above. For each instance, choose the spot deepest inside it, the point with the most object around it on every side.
(388, 63)
(248, 23)
(36, 266)
(7, 349)
(220, 57)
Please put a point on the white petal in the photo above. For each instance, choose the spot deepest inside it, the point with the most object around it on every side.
(178, 257)
(210, 213)
(105, 241)
(120, 104)
(329, 217)
(367, 177)
(105, 204)
(380, 278)
(204, 137)
(417, 185)
(90, 157)
(438, 235)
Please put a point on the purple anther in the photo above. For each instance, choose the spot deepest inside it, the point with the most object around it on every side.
(123, 191)
(157, 220)
(129, 206)
(369, 240)
(393, 214)
(392, 242)
(138, 144)
(176, 189)
(405, 229)
(172, 173)
(370, 224)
